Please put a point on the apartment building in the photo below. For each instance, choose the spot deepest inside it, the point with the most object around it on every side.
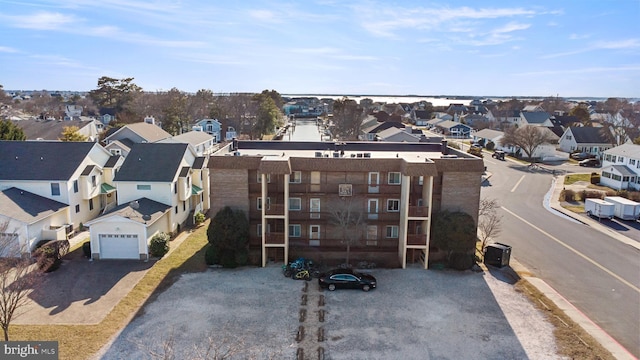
(315, 199)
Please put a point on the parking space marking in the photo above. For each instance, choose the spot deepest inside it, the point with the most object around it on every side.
(518, 183)
(572, 249)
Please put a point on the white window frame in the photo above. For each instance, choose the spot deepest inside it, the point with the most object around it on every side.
(295, 177)
(292, 202)
(314, 208)
(391, 178)
(143, 187)
(259, 203)
(55, 189)
(390, 208)
(260, 178)
(260, 229)
(391, 231)
(295, 230)
(314, 236)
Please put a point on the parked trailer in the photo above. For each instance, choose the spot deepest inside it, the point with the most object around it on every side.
(599, 208)
(625, 209)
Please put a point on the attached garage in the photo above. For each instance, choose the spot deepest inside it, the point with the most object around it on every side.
(119, 246)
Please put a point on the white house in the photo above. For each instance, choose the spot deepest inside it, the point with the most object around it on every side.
(621, 167)
(160, 188)
(587, 139)
(68, 173)
(120, 141)
(203, 143)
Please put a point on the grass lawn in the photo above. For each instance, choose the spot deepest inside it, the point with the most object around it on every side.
(573, 178)
(78, 342)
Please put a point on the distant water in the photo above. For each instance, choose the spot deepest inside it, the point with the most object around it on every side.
(435, 100)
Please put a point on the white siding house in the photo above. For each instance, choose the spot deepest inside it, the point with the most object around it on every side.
(621, 167)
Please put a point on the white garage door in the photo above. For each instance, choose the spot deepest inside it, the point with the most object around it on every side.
(119, 246)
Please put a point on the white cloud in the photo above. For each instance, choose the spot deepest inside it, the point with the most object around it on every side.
(265, 16)
(600, 45)
(510, 27)
(591, 70)
(579, 36)
(6, 49)
(43, 20)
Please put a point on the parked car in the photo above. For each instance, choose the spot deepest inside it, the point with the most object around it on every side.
(582, 156)
(590, 162)
(498, 154)
(346, 279)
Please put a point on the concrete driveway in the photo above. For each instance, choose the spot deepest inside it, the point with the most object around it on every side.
(81, 291)
(413, 314)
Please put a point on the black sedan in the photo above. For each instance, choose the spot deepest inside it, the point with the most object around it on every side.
(346, 279)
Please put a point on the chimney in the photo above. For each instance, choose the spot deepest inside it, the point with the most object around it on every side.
(444, 148)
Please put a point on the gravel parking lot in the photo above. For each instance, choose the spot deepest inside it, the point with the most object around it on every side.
(413, 314)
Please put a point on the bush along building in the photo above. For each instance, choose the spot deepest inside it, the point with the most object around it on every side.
(353, 201)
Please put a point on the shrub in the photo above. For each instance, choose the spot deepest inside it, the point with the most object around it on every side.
(228, 259)
(623, 193)
(490, 145)
(591, 194)
(159, 245)
(461, 261)
(198, 218)
(453, 145)
(242, 257)
(635, 196)
(211, 256)
(568, 195)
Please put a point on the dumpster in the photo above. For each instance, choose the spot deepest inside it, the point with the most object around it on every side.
(497, 254)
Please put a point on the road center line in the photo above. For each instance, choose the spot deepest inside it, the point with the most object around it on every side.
(518, 183)
(575, 251)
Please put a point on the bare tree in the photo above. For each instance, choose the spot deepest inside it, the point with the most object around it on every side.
(349, 222)
(347, 118)
(16, 277)
(528, 138)
(489, 221)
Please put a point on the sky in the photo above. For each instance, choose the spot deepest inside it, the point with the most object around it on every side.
(560, 48)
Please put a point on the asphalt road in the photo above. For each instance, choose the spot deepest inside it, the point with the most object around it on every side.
(597, 273)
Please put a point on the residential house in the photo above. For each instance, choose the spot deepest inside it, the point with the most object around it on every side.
(454, 129)
(488, 135)
(121, 140)
(535, 118)
(63, 181)
(621, 167)
(544, 152)
(37, 129)
(72, 111)
(203, 143)
(160, 187)
(293, 192)
(107, 118)
(420, 117)
(585, 139)
(211, 127)
(394, 134)
(372, 130)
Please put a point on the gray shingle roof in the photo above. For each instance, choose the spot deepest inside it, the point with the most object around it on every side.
(589, 135)
(623, 170)
(27, 207)
(157, 162)
(113, 160)
(46, 129)
(626, 150)
(535, 117)
(199, 162)
(87, 170)
(41, 160)
(154, 209)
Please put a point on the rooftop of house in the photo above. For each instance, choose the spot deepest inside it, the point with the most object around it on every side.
(149, 132)
(147, 211)
(589, 135)
(535, 117)
(41, 160)
(625, 150)
(27, 207)
(153, 162)
(47, 129)
(489, 134)
(192, 137)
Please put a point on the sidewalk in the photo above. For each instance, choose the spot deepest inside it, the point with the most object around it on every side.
(617, 350)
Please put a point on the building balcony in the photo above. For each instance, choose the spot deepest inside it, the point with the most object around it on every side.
(275, 209)
(417, 239)
(418, 211)
(273, 238)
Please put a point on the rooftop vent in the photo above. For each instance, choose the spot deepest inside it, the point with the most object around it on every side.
(367, 155)
(336, 154)
(318, 154)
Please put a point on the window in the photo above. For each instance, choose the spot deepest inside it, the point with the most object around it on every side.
(568, 137)
(176, 209)
(632, 161)
(620, 159)
(314, 235)
(90, 204)
(295, 230)
(55, 189)
(296, 177)
(314, 208)
(260, 229)
(260, 203)
(143, 187)
(260, 178)
(75, 186)
(184, 206)
(616, 177)
(393, 205)
(421, 180)
(392, 231)
(295, 204)
(175, 187)
(393, 178)
(94, 181)
(372, 235)
(77, 208)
